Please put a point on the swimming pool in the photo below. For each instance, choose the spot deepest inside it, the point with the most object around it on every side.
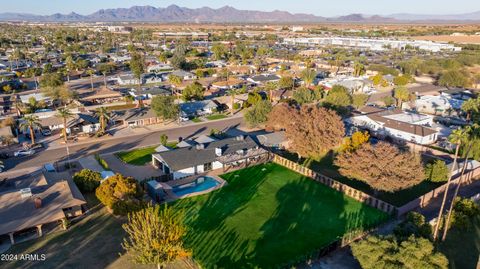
(199, 185)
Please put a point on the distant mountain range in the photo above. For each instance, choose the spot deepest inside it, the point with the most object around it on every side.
(225, 14)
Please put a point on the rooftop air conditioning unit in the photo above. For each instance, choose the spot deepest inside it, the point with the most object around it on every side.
(218, 152)
(25, 193)
(200, 146)
(240, 138)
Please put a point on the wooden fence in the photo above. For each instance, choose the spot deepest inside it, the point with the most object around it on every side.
(347, 190)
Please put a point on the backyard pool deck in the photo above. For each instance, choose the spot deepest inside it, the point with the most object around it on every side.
(169, 185)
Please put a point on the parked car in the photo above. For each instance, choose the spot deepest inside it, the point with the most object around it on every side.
(24, 152)
(46, 132)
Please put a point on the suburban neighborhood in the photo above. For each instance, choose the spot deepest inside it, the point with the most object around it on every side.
(175, 137)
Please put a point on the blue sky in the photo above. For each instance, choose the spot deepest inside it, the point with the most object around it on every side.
(317, 7)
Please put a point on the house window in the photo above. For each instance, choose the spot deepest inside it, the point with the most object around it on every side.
(207, 167)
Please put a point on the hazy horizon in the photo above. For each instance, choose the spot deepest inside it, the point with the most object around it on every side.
(327, 9)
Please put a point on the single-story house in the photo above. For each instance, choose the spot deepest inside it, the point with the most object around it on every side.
(183, 74)
(49, 200)
(426, 89)
(159, 68)
(275, 140)
(231, 83)
(436, 104)
(80, 123)
(396, 124)
(198, 108)
(201, 158)
(38, 96)
(136, 117)
(264, 78)
(102, 95)
(151, 78)
(127, 80)
(149, 92)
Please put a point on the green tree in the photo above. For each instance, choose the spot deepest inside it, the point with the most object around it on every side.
(388, 100)
(471, 107)
(258, 113)
(103, 116)
(401, 94)
(193, 91)
(154, 236)
(219, 51)
(175, 80)
(308, 76)
(286, 83)
(87, 180)
(30, 123)
(353, 143)
(163, 139)
(105, 68)
(436, 171)
(137, 65)
(457, 137)
(401, 80)
(338, 98)
(64, 114)
(91, 72)
(306, 96)
(386, 252)
(165, 107)
(454, 78)
(359, 100)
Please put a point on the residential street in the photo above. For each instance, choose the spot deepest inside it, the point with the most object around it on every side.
(121, 143)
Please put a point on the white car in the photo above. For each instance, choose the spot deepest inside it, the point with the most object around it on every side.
(24, 152)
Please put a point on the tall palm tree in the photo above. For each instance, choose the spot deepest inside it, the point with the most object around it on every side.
(401, 94)
(103, 115)
(472, 138)
(91, 72)
(30, 123)
(64, 113)
(457, 137)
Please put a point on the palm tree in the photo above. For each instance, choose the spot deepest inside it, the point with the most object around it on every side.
(30, 122)
(103, 115)
(270, 87)
(471, 106)
(64, 114)
(90, 72)
(457, 137)
(473, 134)
(308, 75)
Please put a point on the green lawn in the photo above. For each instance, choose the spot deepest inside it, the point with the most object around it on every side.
(267, 216)
(94, 242)
(462, 247)
(141, 156)
(216, 117)
(196, 120)
(326, 167)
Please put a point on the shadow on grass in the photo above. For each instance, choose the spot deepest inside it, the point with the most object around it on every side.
(325, 166)
(266, 216)
(462, 247)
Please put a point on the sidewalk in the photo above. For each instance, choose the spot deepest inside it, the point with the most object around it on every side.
(124, 131)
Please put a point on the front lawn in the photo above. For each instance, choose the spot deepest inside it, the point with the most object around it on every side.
(216, 117)
(196, 120)
(268, 216)
(326, 167)
(141, 156)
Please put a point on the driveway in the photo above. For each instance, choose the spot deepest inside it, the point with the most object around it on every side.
(90, 163)
(136, 171)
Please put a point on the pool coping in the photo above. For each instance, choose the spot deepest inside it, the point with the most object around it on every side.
(171, 196)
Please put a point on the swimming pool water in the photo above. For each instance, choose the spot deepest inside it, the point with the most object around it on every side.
(208, 183)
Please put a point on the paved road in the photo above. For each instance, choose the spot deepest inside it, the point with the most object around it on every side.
(122, 143)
